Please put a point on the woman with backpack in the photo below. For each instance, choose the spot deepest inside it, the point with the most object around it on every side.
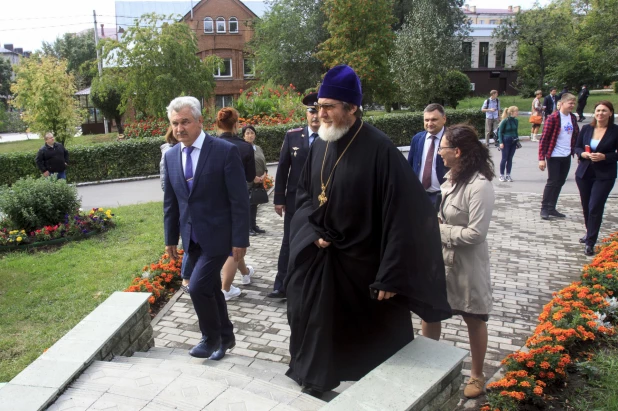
(508, 137)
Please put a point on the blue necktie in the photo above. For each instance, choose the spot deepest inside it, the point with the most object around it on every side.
(189, 179)
(189, 167)
(312, 138)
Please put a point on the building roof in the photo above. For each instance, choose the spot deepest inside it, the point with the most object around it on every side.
(6, 51)
(84, 92)
(128, 11)
(488, 11)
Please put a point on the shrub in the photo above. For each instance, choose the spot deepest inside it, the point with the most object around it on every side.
(105, 161)
(150, 127)
(270, 100)
(33, 203)
(141, 157)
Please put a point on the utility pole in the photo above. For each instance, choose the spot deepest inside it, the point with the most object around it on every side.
(99, 62)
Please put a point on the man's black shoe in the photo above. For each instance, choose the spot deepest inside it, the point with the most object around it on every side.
(220, 353)
(205, 349)
(252, 233)
(580, 120)
(313, 392)
(544, 215)
(583, 239)
(589, 250)
(258, 230)
(276, 294)
(555, 213)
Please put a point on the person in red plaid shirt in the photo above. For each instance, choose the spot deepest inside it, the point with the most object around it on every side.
(555, 151)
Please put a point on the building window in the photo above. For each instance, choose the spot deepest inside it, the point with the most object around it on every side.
(492, 22)
(483, 55)
(208, 27)
(481, 21)
(233, 25)
(249, 67)
(220, 25)
(224, 69)
(467, 53)
(224, 100)
(500, 54)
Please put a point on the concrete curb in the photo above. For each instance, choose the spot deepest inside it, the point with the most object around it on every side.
(166, 307)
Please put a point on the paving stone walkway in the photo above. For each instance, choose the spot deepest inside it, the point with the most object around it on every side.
(530, 259)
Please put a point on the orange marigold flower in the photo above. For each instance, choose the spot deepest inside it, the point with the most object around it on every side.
(545, 365)
(530, 364)
(551, 375)
(525, 384)
(538, 390)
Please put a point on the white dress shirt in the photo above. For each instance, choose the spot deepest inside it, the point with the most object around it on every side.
(195, 154)
(435, 184)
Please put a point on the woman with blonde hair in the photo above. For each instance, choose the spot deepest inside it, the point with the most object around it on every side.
(227, 125)
(508, 137)
(536, 115)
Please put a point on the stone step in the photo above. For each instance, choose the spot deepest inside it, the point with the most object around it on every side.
(166, 379)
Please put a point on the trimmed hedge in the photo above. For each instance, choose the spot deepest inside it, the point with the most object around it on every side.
(140, 157)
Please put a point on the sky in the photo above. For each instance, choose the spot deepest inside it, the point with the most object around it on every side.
(27, 23)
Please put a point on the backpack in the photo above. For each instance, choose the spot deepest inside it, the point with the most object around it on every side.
(497, 101)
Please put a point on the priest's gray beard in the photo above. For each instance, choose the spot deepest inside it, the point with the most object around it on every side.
(333, 133)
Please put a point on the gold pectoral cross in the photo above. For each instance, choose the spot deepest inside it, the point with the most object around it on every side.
(322, 197)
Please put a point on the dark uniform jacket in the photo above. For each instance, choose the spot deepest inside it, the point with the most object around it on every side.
(294, 153)
(53, 159)
(247, 154)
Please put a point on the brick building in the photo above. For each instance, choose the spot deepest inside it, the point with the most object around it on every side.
(222, 28)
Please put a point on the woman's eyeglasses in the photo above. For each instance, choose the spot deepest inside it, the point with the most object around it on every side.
(443, 148)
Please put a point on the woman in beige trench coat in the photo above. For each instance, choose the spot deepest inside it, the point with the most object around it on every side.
(465, 213)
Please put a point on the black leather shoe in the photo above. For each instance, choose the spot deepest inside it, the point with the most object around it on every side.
(583, 240)
(220, 353)
(252, 233)
(313, 392)
(258, 230)
(555, 213)
(589, 250)
(544, 215)
(276, 294)
(205, 349)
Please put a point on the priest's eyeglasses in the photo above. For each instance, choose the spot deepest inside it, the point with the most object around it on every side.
(327, 107)
(443, 148)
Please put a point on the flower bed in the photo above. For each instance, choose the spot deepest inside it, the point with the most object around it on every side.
(74, 227)
(578, 316)
(161, 279)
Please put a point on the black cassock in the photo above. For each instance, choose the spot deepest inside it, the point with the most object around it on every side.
(384, 233)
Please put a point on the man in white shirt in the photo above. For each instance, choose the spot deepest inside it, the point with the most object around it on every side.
(426, 164)
(555, 151)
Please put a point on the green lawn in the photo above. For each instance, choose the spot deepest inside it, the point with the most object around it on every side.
(44, 294)
(525, 104)
(35, 144)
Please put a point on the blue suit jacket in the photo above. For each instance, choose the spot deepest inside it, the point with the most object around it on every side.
(218, 205)
(415, 157)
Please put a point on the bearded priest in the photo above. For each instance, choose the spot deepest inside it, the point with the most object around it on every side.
(365, 247)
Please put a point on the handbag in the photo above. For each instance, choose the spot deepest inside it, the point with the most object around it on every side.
(536, 120)
(258, 195)
(517, 143)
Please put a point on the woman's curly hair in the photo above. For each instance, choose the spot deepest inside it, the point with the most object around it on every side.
(474, 155)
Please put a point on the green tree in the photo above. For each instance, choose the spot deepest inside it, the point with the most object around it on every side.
(158, 62)
(77, 49)
(538, 34)
(6, 71)
(45, 91)
(427, 47)
(455, 87)
(285, 41)
(106, 95)
(361, 37)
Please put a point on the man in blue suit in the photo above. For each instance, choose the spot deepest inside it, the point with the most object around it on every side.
(426, 164)
(205, 203)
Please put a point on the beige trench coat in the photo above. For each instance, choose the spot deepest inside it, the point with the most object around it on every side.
(465, 213)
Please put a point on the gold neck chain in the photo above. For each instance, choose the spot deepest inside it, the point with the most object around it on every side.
(322, 197)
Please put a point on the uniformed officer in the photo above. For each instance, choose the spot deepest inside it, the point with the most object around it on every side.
(294, 152)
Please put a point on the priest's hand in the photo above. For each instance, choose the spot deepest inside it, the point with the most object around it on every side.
(279, 209)
(172, 251)
(321, 243)
(238, 253)
(385, 295)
